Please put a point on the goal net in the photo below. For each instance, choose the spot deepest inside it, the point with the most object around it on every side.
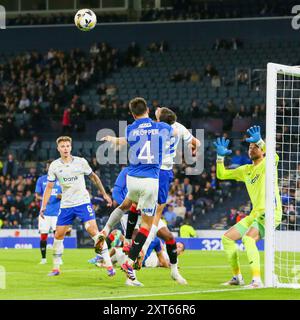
(282, 243)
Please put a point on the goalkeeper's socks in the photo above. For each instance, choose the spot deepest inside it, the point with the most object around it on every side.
(138, 243)
(231, 251)
(172, 251)
(253, 255)
(133, 216)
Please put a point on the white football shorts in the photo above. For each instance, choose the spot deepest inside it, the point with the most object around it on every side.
(47, 224)
(144, 192)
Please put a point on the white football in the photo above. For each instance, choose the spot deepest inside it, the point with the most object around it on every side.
(85, 19)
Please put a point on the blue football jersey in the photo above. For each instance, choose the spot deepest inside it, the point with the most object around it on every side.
(120, 188)
(147, 140)
(53, 203)
(154, 245)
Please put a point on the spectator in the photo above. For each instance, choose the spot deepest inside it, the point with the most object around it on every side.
(220, 225)
(231, 219)
(239, 160)
(31, 153)
(285, 197)
(242, 113)
(194, 76)
(186, 230)
(187, 187)
(216, 81)
(180, 210)
(170, 217)
(189, 204)
(14, 217)
(10, 167)
(176, 77)
(196, 112)
(66, 121)
(210, 71)
(240, 215)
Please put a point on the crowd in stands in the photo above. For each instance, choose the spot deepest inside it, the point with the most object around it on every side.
(35, 84)
(177, 10)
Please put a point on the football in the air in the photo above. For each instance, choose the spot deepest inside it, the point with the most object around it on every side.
(85, 20)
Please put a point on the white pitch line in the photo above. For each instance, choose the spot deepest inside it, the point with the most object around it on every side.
(165, 294)
(97, 270)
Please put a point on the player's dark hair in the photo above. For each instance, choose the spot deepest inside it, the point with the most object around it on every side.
(138, 106)
(167, 115)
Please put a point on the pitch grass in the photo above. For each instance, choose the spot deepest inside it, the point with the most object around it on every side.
(204, 270)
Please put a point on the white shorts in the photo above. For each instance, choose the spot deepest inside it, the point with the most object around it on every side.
(47, 224)
(152, 261)
(144, 192)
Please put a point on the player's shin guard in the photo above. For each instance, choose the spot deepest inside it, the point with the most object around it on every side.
(58, 249)
(253, 256)
(43, 244)
(231, 251)
(133, 216)
(113, 219)
(172, 251)
(138, 243)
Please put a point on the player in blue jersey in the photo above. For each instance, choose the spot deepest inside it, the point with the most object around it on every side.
(165, 179)
(50, 216)
(147, 140)
(156, 256)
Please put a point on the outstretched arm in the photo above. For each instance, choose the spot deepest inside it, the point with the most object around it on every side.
(114, 140)
(221, 146)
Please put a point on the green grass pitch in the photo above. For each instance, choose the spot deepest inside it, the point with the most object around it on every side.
(204, 270)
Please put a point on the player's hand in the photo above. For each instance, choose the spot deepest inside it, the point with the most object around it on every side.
(58, 196)
(221, 147)
(108, 200)
(42, 211)
(254, 133)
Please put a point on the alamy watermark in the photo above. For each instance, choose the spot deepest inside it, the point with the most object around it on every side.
(146, 151)
(296, 18)
(2, 17)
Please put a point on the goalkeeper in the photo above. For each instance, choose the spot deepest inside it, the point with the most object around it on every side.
(251, 228)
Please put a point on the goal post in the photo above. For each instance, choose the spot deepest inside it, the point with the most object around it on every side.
(282, 246)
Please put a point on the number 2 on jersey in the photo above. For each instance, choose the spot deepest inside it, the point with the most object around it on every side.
(145, 153)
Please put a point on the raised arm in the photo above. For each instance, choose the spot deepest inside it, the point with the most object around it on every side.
(221, 146)
(114, 140)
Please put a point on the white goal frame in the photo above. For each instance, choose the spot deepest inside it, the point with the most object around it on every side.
(271, 103)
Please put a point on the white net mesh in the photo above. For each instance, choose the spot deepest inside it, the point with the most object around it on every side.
(287, 235)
